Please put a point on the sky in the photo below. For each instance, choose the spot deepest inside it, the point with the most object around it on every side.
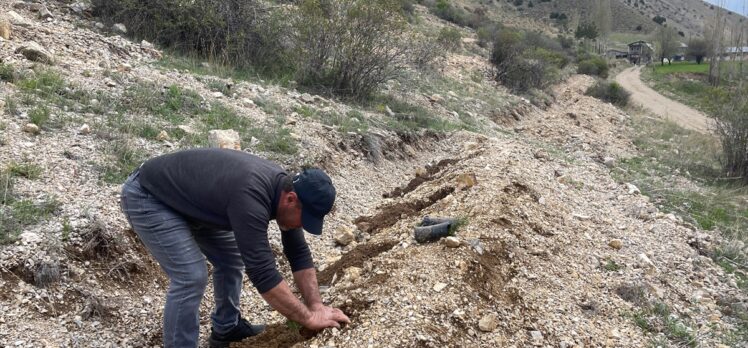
(733, 5)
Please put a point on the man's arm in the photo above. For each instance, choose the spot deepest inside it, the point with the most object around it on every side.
(306, 280)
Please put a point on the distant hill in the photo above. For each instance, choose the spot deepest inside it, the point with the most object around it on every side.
(629, 16)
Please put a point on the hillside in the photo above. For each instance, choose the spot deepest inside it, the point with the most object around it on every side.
(556, 249)
(687, 16)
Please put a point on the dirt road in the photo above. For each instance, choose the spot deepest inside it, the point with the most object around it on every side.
(664, 107)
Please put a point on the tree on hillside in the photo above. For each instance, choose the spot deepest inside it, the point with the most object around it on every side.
(715, 33)
(586, 30)
(698, 49)
(667, 43)
(603, 17)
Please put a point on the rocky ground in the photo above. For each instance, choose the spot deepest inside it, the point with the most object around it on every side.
(553, 251)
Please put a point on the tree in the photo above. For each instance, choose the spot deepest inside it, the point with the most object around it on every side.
(715, 33)
(659, 19)
(586, 30)
(698, 49)
(603, 17)
(667, 43)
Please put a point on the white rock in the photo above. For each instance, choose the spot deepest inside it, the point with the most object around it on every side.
(452, 242)
(389, 111)
(489, 322)
(609, 162)
(44, 13)
(85, 129)
(162, 136)
(119, 28)
(633, 190)
(646, 262)
(35, 52)
(439, 287)
(224, 139)
(537, 337)
(146, 44)
(344, 235)
(218, 95)
(18, 20)
(31, 128)
(353, 273)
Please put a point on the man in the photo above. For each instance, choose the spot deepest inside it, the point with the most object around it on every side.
(216, 204)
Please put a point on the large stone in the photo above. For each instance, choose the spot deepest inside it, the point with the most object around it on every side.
(609, 162)
(119, 28)
(162, 136)
(344, 235)
(5, 28)
(44, 13)
(616, 244)
(36, 53)
(31, 128)
(85, 129)
(489, 322)
(18, 20)
(467, 180)
(224, 139)
(452, 242)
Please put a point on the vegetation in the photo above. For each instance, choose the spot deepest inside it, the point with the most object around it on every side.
(730, 108)
(698, 49)
(17, 213)
(527, 60)
(610, 92)
(594, 66)
(666, 43)
(349, 47)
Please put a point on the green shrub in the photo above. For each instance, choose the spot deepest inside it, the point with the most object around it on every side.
(239, 32)
(349, 47)
(39, 115)
(594, 66)
(527, 60)
(450, 38)
(448, 12)
(610, 92)
(730, 108)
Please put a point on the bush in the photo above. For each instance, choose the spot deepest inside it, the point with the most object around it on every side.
(446, 11)
(594, 66)
(237, 32)
(730, 108)
(610, 92)
(450, 38)
(526, 60)
(350, 46)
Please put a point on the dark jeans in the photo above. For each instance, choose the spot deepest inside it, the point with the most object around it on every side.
(181, 249)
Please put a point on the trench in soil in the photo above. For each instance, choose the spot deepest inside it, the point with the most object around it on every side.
(391, 214)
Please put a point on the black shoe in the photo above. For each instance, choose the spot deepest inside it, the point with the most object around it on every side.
(241, 331)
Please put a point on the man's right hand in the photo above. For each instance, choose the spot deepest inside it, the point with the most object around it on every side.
(322, 317)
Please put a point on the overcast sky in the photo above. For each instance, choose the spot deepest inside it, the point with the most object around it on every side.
(734, 5)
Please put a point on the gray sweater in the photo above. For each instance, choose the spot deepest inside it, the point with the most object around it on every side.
(230, 190)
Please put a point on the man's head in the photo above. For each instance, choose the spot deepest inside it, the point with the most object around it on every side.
(305, 200)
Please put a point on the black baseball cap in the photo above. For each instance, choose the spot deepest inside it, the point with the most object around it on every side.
(317, 195)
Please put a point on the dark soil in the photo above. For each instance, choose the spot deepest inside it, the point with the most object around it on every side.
(354, 258)
(275, 336)
(431, 171)
(391, 214)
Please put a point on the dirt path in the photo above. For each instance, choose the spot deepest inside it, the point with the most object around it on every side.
(664, 107)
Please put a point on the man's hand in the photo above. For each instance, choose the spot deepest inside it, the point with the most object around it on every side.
(323, 317)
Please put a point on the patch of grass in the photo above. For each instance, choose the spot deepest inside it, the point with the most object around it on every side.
(657, 318)
(124, 158)
(409, 117)
(39, 115)
(681, 67)
(25, 170)
(15, 215)
(353, 121)
(667, 155)
(612, 266)
(11, 104)
(9, 74)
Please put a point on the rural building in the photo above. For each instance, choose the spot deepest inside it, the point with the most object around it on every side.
(616, 54)
(640, 52)
(680, 52)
